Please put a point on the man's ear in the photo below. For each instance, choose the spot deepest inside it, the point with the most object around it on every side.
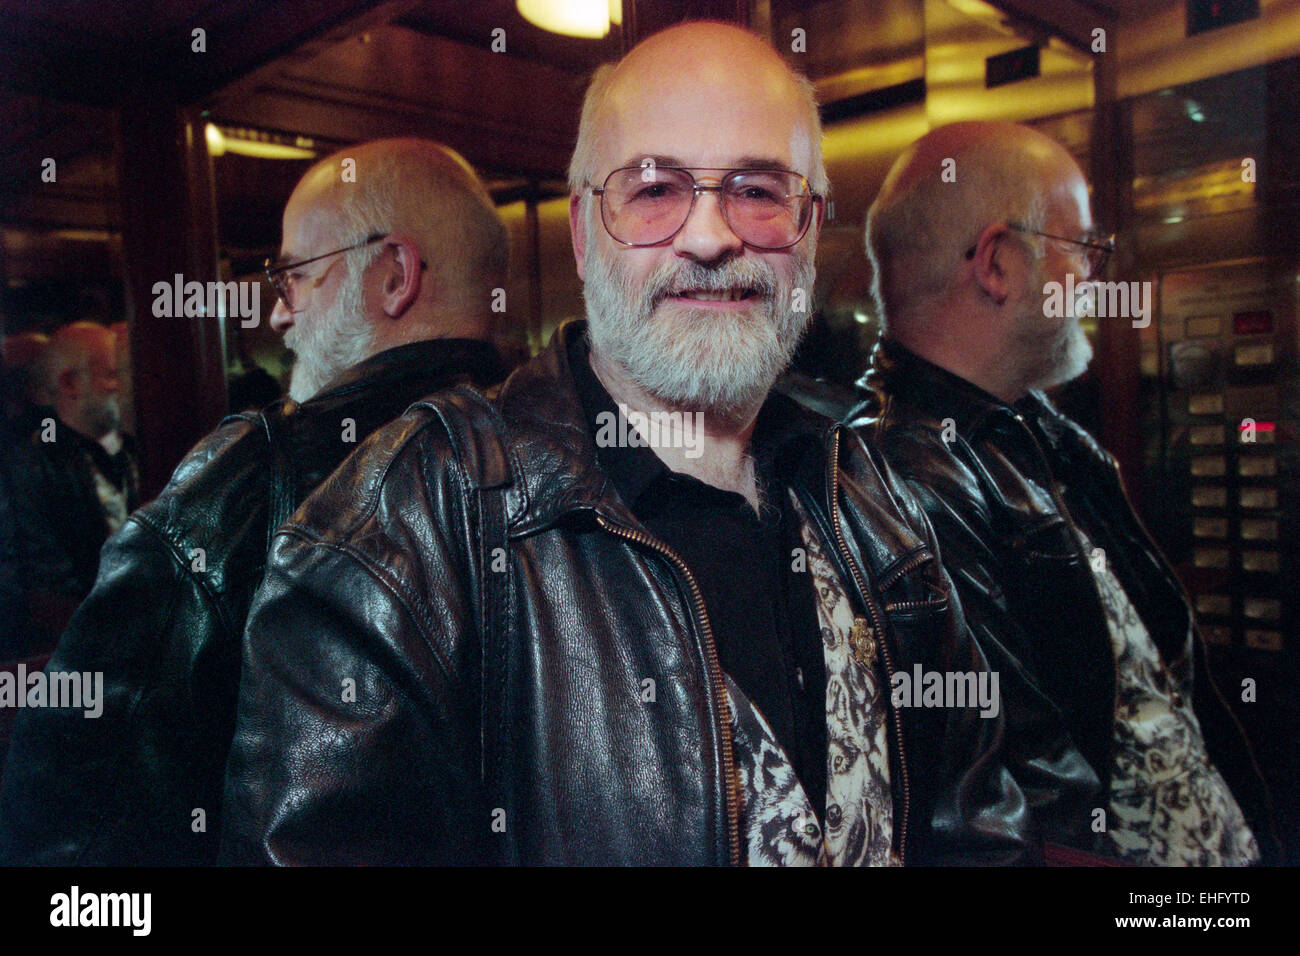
(995, 262)
(578, 233)
(401, 275)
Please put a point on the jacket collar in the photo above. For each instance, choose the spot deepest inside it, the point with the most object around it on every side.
(556, 451)
(897, 373)
(411, 369)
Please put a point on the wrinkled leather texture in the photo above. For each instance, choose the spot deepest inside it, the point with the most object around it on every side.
(163, 624)
(1024, 581)
(362, 735)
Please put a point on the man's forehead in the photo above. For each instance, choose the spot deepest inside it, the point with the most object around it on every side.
(1071, 200)
(729, 124)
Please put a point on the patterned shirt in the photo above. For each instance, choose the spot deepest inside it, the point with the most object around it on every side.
(1169, 805)
(779, 824)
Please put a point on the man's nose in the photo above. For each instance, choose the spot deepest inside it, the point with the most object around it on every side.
(281, 317)
(706, 236)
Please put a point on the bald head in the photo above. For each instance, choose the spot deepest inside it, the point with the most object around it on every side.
(79, 373)
(421, 189)
(700, 56)
(947, 187)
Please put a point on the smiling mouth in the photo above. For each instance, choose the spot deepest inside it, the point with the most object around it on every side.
(715, 295)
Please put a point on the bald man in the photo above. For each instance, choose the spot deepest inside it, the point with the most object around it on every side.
(639, 609)
(1064, 588)
(74, 479)
(385, 285)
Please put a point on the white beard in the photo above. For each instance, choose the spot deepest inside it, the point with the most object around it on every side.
(693, 358)
(329, 343)
(1051, 356)
(106, 416)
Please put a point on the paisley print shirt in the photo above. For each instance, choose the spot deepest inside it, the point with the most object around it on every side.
(1169, 806)
(779, 824)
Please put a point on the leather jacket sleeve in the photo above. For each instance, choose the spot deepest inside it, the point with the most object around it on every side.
(346, 749)
(977, 811)
(140, 782)
(1058, 784)
(85, 789)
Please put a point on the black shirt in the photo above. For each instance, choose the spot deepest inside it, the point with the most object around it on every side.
(759, 598)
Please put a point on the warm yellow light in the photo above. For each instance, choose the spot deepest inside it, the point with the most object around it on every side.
(244, 147)
(219, 144)
(216, 142)
(575, 18)
(616, 12)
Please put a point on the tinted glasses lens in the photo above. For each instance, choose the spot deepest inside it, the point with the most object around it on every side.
(644, 206)
(768, 209)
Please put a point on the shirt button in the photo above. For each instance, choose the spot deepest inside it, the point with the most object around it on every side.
(798, 677)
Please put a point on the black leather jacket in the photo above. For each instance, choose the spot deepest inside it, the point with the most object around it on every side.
(59, 522)
(164, 620)
(385, 718)
(1005, 486)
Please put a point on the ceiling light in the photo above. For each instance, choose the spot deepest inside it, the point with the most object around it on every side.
(575, 18)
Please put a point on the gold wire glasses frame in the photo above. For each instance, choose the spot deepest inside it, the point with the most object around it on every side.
(1100, 249)
(768, 209)
(275, 274)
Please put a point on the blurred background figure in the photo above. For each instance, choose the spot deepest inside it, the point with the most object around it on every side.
(72, 479)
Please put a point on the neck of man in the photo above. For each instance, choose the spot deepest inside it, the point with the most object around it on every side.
(969, 343)
(717, 449)
(437, 323)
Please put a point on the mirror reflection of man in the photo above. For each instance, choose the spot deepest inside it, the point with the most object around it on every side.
(76, 478)
(1058, 577)
(570, 647)
(385, 283)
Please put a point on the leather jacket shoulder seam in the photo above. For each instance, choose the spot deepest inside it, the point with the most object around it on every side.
(407, 598)
(174, 549)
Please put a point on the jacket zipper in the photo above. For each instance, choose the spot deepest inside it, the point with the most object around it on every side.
(895, 575)
(858, 578)
(730, 776)
(906, 567)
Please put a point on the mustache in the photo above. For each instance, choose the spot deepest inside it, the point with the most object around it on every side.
(675, 278)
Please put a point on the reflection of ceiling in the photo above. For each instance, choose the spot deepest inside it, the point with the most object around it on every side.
(78, 139)
(340, 71)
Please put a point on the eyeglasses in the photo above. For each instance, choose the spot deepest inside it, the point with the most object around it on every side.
(767, 209)
(1099, 248)
(283, 284)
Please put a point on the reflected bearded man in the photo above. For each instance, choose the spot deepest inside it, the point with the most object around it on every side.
(74, 478)
(384, 286)
(1060, 581)
(496, 636)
